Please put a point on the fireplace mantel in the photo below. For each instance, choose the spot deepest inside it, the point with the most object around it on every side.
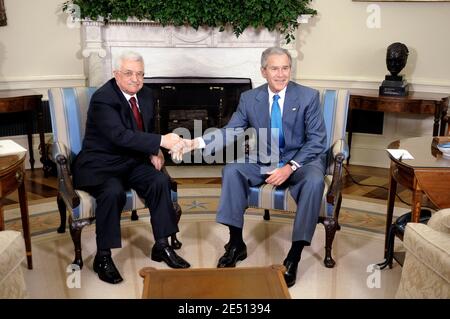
(177, 51)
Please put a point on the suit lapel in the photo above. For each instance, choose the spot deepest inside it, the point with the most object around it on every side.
(144, 107)
(125, 106)
(262, 107)
(290, 111)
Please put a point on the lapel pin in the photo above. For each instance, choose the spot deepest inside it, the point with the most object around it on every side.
(294, 109)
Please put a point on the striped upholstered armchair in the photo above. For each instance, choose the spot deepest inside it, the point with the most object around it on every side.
(335, 105)
(68, 109)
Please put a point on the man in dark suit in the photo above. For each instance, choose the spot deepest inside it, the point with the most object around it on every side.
(120, 151)
(298, 138)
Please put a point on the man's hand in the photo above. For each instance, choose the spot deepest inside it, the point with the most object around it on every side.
(182, 147)
(279, 175)
(169, 140)
(157, 160)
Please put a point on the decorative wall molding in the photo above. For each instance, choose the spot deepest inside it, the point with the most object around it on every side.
(42, 83)
(420, 85)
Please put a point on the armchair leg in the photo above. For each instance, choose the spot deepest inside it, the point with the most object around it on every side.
(338, 209)
(330, 230)
(75, 232)
(266, 214)
(62, 214)
(134, 215)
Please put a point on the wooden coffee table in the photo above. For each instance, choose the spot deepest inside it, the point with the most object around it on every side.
(215, 283)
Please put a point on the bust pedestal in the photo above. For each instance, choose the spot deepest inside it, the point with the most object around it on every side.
(394, 85)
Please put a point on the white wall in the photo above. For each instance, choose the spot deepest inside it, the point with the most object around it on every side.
(38, 50)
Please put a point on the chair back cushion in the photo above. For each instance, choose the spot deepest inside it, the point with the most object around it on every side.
(68, 110)
(335, 108)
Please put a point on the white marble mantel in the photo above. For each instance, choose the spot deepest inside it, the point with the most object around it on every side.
(177, 51)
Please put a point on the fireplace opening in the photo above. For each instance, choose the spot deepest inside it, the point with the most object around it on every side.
(181, 100)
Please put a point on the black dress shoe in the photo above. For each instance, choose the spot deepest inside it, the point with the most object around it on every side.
(232, 255)
(106, 270)
(290, 275)
(168, 255)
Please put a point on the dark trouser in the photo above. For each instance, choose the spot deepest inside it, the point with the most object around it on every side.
(151, 185)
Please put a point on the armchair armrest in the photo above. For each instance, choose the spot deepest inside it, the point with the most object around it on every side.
(66, 190)
(59, 149)
(340, 153)
(340, 148)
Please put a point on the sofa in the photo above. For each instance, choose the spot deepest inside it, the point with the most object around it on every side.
(12, 254)
(426, 271)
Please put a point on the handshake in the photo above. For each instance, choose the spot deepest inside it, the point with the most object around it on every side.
(178, 146)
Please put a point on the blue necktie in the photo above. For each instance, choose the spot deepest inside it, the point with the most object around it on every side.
(276, 123)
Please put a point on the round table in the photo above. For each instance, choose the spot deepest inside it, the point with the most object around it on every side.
(12, 174)
(428, 173)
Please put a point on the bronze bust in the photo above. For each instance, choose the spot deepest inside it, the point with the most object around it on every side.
(396, 58)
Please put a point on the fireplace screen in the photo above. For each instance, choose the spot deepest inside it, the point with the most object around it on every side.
(181, 100)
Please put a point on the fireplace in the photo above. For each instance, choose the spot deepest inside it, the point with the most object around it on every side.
(179, 101)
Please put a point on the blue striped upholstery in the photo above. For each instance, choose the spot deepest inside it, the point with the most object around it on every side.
(68, 109)
(334, 105)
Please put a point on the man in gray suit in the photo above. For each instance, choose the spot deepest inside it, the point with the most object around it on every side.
(292, 113)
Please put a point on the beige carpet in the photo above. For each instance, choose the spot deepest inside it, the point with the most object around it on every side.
(203, 240)
(358, 245)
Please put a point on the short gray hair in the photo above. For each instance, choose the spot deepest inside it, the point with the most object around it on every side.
(274, 50)
(126, 55)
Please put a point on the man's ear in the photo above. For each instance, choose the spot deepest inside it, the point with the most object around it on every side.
(263, 73)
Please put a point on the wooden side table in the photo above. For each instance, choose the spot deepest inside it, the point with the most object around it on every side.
(215, 283)
(415, 103)
(12, 173)
(428, 173)
(27, 102)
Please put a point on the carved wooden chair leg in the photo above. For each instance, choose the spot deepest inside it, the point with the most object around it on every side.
(266, 214)
(75, 233)
(62, 214)
(338, 209)
(175, 243)
(134, 215)
(330, 231)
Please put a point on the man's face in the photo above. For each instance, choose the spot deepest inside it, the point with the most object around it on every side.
(395, 64)
(130, 76)
(277, 72)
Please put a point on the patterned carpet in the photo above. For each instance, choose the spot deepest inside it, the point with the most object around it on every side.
(358, 245)
(356, 212)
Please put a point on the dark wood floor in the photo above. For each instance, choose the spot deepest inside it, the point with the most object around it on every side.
(375, 181)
